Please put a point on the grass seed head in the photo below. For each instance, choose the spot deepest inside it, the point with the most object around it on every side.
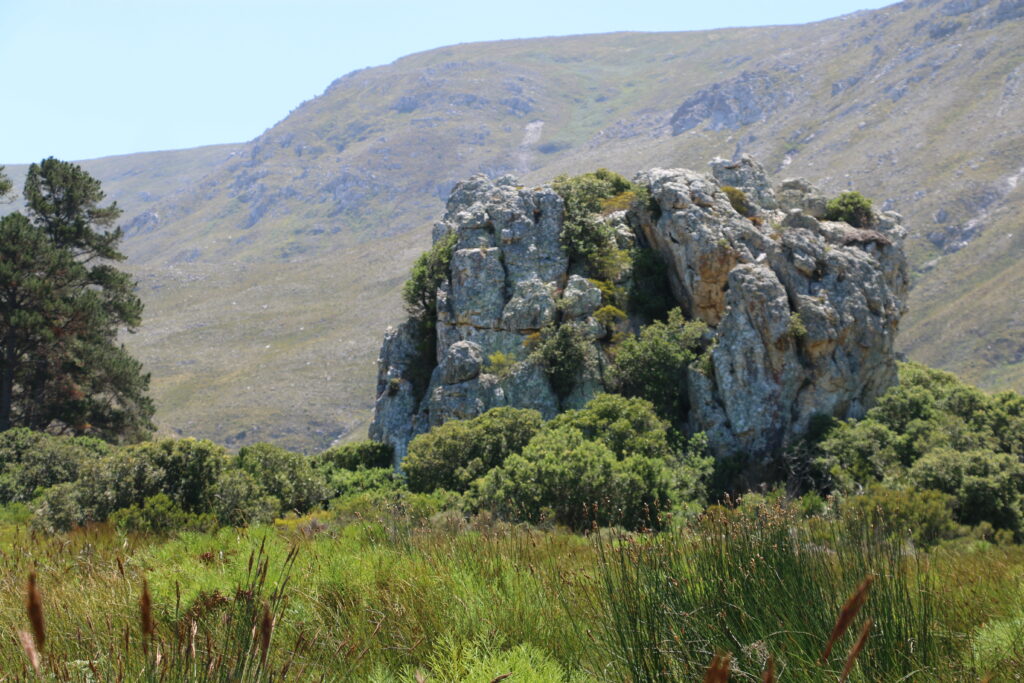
(34, 607)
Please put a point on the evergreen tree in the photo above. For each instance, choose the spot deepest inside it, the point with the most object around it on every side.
(62, 304)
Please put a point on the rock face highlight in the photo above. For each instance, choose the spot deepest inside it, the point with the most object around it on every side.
(803, 311)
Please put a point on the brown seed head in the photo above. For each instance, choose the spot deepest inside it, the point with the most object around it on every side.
(851, 658)
(146, 607)
(848, 614)
(34, 607)
(718, 672)
(266, 630)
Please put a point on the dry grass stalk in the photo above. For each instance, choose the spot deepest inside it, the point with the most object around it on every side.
(847, 615)
(855, 651)
(718, 672)
(30, 650)
(34, 607)
(768, 675)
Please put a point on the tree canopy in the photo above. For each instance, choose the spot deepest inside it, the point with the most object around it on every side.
(62, 305)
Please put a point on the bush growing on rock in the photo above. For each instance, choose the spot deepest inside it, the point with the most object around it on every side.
(589, 241)
(851, 207)
(428, 273)
(653, 366)
(563, 353)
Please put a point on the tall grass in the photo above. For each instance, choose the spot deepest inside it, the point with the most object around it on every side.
(765, 586)
(387, 596)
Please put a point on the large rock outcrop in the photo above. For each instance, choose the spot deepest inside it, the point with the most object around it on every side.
(803, 311)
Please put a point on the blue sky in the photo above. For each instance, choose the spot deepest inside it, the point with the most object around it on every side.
(89, 78)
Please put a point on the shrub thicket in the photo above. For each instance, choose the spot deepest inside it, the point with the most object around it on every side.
(454, 454)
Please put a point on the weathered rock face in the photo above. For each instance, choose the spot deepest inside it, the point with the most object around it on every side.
(804, 312)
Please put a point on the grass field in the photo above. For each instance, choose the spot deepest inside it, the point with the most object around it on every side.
(368, 593)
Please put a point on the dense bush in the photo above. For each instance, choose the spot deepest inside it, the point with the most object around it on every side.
(653, 366)
(454, 454)
(851, 207)
(187, 468)
(159, 514)
(239, 500)
(352, 456)
(987, 486)
(287, 476)
(933, 431)
(627, 426)
(563, 353)
(588, 240)
(33, 461)
(925, 516)
(428, 272)
(566, 478)
(612, 462)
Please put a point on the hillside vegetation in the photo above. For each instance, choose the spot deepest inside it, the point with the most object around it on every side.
(269, 268)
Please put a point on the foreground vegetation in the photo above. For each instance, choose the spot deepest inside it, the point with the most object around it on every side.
(384, 591)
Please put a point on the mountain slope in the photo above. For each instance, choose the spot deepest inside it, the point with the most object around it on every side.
(269, 278)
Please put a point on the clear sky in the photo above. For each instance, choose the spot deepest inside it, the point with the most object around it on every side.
(86, 78)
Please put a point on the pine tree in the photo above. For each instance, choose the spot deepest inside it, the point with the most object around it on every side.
(62, 305)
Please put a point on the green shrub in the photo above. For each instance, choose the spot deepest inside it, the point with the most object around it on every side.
(739, 201)
(452, 455)
(500, 363)
(563, 353)
(287, 476)
(428, 272)
(926, 516)
(239, 500)
(187, 468)
(127, 477)
(627, 426)
(851, 207)
(57, 509)
(588, 240)
(349, 482)
(855, 454)
(159, 514)
(654, 365)
(562, 476)
(356, 455)
(796, 327)
(609, 316)
(33, 461)
(987, 486)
